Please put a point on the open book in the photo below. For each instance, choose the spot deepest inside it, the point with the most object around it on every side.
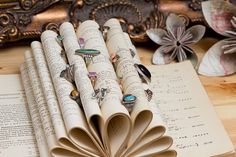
(95, 121)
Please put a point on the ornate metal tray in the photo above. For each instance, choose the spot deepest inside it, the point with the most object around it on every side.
(24, 19)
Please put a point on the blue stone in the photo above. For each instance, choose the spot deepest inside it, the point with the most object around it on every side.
(129, 98)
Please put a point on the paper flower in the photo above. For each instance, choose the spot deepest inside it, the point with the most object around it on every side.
(174, 41)
(220, 59)
(230, 43)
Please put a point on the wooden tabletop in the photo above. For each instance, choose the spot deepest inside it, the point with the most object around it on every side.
(221, 90)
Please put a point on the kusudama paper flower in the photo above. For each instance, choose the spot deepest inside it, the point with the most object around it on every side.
(220, 59)
(174, 41)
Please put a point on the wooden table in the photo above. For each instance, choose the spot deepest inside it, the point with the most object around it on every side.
(221, 90)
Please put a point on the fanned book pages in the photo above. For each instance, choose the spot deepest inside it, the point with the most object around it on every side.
(81, 105)
(89, 95)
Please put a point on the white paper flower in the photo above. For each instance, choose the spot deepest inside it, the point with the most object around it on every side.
(220, 59)
(174, 41)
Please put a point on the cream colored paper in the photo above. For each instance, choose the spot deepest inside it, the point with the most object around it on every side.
(50, 97)
(74, 118)
(136, 58)
(157, 146)
(83, 83)
(49, 132)
(117, 124)
(141, 115)
(40, 101)
(48, 89)
(17, 137)
(187, 112)
(34, 114)
(156, 128)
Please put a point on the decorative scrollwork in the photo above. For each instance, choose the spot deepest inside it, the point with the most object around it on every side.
(131, 13)
(26, 4)
(118, 9)
(24, 19)
(51, 26)
(15, 16)
(196, 5)
(8, 29)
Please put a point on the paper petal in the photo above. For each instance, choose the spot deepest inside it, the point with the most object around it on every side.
(218, 14)
(156, 35)
(216, 63)
(166, 48)
(197, 33)
(181, 54)
(160, 58)
(173, 22)
(193, 59)
(229, 46)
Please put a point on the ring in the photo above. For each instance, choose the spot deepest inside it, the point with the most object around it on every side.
(83, 52)
(60, 37)
(129, 101)
(132, 52)
(99, 94)
(87, 59)
(87, 54)
(74, 95)
(143, 72)
(68, 73)
(95, 94)
(104, 31)
(114, 57)
(93, 77)
(81, 43)
(104, 91)
(149, 94)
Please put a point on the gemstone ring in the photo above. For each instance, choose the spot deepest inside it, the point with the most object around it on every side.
(129, 101)
(74, 95)
(93, 77)
(143, 72)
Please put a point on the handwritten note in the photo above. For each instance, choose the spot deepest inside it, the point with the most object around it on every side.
(187, 111)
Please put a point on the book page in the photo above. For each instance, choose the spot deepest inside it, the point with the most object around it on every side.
(50, 97)
(16, 131)
(34, 114)
(141, 115)
(48, 89)
(40, 101)
(82, 81)
(73, 116)
(157, 146)
(53, 146)
(136, 58)
(156, 128)
(187, 112)
(117, 123)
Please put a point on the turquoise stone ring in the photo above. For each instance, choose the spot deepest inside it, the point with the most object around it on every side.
(129, 101)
